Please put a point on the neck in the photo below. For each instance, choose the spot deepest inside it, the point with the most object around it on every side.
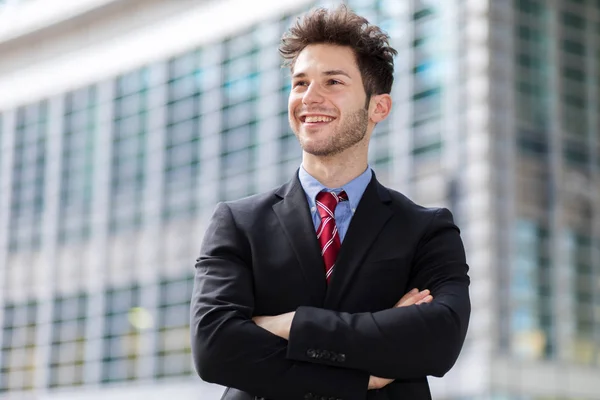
(337, 170)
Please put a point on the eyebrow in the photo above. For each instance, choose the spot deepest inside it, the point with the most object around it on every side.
(325, 73)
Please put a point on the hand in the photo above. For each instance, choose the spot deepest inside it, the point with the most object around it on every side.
(279, 325)
(414, 297)
(378, 383)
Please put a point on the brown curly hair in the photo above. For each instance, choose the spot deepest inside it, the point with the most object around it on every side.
(342, 27)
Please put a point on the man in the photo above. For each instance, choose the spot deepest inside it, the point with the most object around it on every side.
(304, 292)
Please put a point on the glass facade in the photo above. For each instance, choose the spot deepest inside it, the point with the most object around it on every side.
(555, 272)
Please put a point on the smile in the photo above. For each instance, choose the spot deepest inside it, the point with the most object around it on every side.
(316, 119)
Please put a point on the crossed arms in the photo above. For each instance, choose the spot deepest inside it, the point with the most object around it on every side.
(403, 342)
(281, 325)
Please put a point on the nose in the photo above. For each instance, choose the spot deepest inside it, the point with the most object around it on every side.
(312, 95)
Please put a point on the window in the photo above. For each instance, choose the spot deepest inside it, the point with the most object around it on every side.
(129, 151)
(174, 351)
(77, 166)
(578, 246)
(531, 320)
(530, 34)
(532, 143)
(182, 158)
(18, 347)
(532, 72)
(427, 137)
(574, 117)
(572, 47)
(574, 74)
(423, 13)
(573, 20)
(239, 136)
(529, 7)
(122, 340)
(380, 149)
(529, 61)
(67, 353)
(29, 172)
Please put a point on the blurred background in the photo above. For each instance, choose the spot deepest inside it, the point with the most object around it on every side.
(123, 123)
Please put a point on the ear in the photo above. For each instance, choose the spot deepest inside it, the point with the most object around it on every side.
(380, 107)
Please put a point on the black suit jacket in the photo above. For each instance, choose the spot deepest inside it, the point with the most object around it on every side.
(260, 256)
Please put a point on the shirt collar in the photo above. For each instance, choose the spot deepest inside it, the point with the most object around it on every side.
(354, 189)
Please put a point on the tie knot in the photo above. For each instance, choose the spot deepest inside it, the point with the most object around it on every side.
(327, 201)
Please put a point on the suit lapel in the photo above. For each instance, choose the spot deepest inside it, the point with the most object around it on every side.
(369, 219)
(295, 219)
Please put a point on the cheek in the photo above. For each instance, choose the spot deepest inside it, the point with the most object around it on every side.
(291, 107)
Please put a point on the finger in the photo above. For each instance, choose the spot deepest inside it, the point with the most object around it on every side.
(413, 297)
(426, 299)
(409, 298)
(406, 297)
(417, 297)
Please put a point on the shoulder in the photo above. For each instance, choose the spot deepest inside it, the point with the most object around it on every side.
(250, 208)
(416, 214)
(254, 202)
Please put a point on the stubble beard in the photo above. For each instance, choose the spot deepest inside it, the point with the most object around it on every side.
(342, 138)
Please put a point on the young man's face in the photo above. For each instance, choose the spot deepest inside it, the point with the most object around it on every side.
(326, 106)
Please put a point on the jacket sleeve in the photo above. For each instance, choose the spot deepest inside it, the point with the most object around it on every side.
(230, 349)
(399, 343)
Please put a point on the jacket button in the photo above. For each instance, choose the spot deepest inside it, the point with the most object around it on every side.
(341, 357)
(326, 355)
(312, 354)
(309, 396)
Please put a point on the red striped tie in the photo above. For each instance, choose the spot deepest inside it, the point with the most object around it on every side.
(327, 232)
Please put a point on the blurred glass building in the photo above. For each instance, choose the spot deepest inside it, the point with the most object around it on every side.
(123, 122)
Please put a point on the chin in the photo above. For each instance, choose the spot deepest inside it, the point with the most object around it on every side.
(317, 148)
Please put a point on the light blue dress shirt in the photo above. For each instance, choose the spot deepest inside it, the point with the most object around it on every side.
(345, 209)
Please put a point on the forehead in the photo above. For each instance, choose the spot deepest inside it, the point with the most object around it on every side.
(324, 57)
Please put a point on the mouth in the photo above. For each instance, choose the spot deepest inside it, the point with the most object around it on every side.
(316, 120)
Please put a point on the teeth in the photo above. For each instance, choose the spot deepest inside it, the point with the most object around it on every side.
(318, 118)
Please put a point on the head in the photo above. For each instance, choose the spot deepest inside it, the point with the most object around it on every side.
(342, 74)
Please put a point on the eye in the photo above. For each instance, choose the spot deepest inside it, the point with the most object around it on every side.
(334, 82)
(299, 83)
